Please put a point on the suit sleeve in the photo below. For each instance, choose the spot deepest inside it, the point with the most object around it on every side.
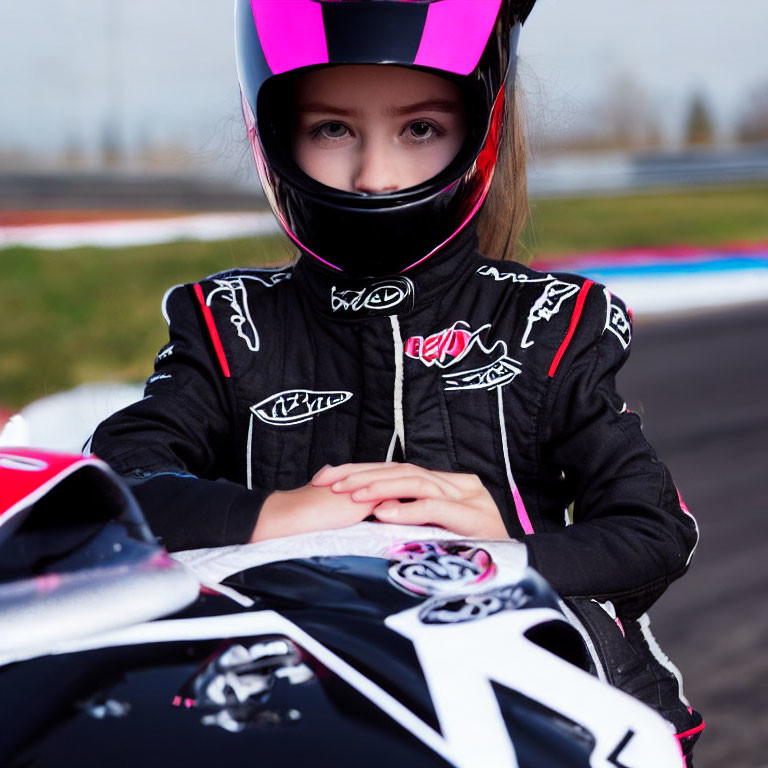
(630, 536)
(173, 445)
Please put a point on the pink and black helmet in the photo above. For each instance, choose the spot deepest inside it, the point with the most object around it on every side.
(472, 42)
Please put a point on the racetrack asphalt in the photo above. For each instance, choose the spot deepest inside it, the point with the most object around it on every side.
(699, 382)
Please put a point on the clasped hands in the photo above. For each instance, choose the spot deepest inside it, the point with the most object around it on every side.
(340, 496)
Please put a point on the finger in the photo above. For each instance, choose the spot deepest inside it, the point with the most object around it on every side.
(358, 480)
(468, 483)
(401, 488)
(320, 474)
(328, 474)
(453, 516)
(445, 514)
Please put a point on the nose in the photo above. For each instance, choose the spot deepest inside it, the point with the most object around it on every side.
(376, 172)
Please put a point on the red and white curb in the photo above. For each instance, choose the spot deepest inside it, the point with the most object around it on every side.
(123, 233)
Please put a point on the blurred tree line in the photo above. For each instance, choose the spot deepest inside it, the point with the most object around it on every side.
(753, 125)
(627, 117)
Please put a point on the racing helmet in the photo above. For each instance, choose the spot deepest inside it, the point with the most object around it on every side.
(472, 42)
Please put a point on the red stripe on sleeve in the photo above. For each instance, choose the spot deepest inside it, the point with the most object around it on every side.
(577, 310)
(215, 338)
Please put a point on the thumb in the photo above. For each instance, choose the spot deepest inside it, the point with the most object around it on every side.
(319, 478)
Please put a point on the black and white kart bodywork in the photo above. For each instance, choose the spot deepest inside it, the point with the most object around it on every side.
(376, 645)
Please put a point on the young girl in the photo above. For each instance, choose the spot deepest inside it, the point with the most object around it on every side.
(401, 368)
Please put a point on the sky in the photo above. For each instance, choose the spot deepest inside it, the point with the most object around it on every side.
(163, 72)
(672, 48)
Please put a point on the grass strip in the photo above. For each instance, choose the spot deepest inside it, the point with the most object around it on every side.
(91, 314)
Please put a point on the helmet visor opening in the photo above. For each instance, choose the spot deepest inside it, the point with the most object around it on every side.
(281, 127)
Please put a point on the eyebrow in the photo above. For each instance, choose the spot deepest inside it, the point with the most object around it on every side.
(428, 105)
(316, 107)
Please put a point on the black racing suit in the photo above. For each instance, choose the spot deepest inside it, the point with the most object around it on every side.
(463, 365)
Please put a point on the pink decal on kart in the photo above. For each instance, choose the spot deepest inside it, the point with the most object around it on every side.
(437, 567)
(48, 582)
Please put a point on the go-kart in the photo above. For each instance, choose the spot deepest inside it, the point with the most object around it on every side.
(376, 645)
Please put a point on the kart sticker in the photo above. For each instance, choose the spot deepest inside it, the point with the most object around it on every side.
(373, 298)
(460, 608)
(616, 321)
(232, 689)
(515, 277)
(296, 406)
(22, 463)
(547, 306)
(433, 567)
(450, 346)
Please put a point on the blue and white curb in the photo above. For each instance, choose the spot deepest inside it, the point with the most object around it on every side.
(663, 282)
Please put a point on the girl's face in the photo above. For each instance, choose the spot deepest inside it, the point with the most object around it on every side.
(376, 129)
